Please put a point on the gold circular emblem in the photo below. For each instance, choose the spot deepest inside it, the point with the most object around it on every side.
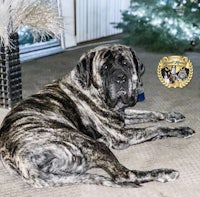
(175, 71)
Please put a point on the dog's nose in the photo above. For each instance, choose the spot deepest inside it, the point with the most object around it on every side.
(120, 77)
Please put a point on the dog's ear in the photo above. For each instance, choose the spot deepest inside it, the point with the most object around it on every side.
(139, 65)
(84, 69)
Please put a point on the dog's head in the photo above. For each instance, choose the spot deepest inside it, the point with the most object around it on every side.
(115, 71)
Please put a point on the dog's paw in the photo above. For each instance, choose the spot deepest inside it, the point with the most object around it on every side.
(185, 132)
(165, 175)
(174, 117)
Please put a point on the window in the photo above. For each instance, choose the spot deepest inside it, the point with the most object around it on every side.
(31, 48)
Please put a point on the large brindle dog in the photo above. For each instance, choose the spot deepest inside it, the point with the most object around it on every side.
(55, 136)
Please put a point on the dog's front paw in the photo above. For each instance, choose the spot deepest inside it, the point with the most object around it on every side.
(185, 132)
(165, 175)
(174, 117)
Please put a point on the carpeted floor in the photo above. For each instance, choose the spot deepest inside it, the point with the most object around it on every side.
(180, 154)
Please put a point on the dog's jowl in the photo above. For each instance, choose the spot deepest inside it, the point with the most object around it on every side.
(55, 136)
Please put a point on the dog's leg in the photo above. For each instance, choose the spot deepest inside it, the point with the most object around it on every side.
(138, 116)
(133, 136)
(161, 175)
(103, 158)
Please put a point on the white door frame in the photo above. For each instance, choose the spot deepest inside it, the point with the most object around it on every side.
(67, 11)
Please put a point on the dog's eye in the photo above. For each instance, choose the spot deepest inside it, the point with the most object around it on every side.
(124, 63)
(105, 67)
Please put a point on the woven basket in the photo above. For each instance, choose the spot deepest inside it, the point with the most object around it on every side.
(10, 74)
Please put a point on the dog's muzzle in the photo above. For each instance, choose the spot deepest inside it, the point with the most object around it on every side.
(121, 82)
(119, 92)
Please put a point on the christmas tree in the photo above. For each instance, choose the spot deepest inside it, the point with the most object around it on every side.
(162, 25)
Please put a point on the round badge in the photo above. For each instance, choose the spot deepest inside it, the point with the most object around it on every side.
(175, 71)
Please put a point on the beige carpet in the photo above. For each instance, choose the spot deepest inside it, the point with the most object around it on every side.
(180, 154)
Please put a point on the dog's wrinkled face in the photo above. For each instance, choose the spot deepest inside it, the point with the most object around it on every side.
(115, 71)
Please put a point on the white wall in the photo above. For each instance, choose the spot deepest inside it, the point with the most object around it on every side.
(90, 18)
(94, 18)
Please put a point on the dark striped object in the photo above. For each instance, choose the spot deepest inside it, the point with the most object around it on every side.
(10, 74)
